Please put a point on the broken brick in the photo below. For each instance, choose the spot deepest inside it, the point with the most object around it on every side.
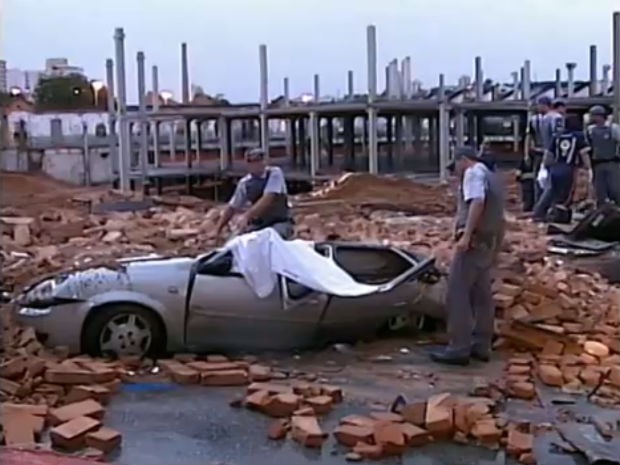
(281, 405)
(19, 428)
(486, 431)
(79, 393)
(522, 390)
(182, 374)
(332, 391)
(72, 434)
(596, 349)
(369, 451)
(104, 439)
(224, 378)
(357, 420)
(414, 435)
(85, 408)
(306, 431)
(69, 376)
(349, 435)
(304, 412)
(257, 400)
(390, 437)
(259, 373)
(550, 375)
(389, 417)
(415, 413)
(439, 417)
(269, 387)
(278, 429)
(320, 404)
(519, 443)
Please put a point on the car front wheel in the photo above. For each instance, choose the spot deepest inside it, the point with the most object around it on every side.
(122, 330)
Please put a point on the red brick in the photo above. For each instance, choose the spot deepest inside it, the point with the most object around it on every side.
(387, 417)
(369, 451)
(224, 378)
(306, 431)
(36, 410)
(304, 412)
(259, 373)
(182, 374)
(214, 366)
(72, 434)
(104, 439)
(486, 431)
(278, 429)
(414, 435)
(390, 437)
(320, 404)
(415, 413)
(550, 375)
(439, 417)
(257, 400)
(69, 376)
(519, 443)
(96, 392)
(523, 390)
(334, 392)
(271, 388)
(358, 420)
(281, 405)
(19, 428)
(349, 435)
(85, 408)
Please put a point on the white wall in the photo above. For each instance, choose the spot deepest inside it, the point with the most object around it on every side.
(39, 124)
(68, 165)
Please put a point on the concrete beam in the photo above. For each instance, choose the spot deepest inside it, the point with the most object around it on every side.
(113, 148)
(570, 71)
(124, 141)
(144, 141)
(593, 89)
(185, 97)
(350, 84)
(373, 143)
(317, 88)
(264, 98)
(605, 80)
(479, 77)
(526, 82)
(558, 83)
(616, 65)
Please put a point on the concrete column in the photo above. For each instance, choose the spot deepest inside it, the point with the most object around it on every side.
(155, 125)
(287, 122)
(515, 86)
(330, 141)
(313, 129)
(144, 137)
(184, 75)
(398, 137)
(198, 145)
(605, 79)
(187, 135)
(124, 141)
(616, 64)
(172, 131)
(407, 94)
(558, 83)
(223, 126)
(317, 88)
(112, 133)
(479, 77)
(444, 132)
(350, 85)
(593, 89)
(516, 134)
(373, 146)
(459, 128)
(526, 81)
(570, 71)
(264, 99)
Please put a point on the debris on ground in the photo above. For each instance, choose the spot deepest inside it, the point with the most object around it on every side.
(558, 326)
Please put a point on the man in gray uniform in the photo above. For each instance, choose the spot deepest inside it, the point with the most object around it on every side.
(604, 141)
(264, 191)
(479, 231)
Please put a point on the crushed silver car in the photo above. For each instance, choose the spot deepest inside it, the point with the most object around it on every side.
(154, 305)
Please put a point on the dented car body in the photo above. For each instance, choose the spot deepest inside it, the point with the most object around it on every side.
(199, 303)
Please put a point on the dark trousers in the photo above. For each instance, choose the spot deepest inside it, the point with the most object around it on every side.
(536, 162)
(469, 300)
(607, 182)
(558, 191)
(528, 194)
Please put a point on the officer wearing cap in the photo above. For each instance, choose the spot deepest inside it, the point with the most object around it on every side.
(604, 141)
(264, 191)
(479, 231)
(553, 122)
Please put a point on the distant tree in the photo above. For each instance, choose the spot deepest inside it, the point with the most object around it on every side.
(73, 92)
(5, 99)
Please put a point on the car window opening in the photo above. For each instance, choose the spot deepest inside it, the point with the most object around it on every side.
(371, 265)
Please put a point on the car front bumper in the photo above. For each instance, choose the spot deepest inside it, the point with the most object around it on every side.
(58, 325)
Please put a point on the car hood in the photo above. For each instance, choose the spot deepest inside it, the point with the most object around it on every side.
(81, 285)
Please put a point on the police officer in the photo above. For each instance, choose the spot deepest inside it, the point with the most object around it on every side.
(604, 140)
(263, 189)
(567, 152)
(535, 148)
(479, 231)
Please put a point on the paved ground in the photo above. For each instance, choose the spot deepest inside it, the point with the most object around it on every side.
(192, 425)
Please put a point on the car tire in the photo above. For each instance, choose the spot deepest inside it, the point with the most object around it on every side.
(97, 330)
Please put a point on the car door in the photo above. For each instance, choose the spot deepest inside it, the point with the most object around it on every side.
(221, 308)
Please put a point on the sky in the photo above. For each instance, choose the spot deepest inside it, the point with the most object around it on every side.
(305, 37)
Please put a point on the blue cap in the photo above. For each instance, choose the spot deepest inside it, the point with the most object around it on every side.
(544, 100)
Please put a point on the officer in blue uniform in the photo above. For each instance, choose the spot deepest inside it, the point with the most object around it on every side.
(567, 152)
(535, 149)
(604, 140)
(261, 197)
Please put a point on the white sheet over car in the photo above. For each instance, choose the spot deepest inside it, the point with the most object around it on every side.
(263, 255)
